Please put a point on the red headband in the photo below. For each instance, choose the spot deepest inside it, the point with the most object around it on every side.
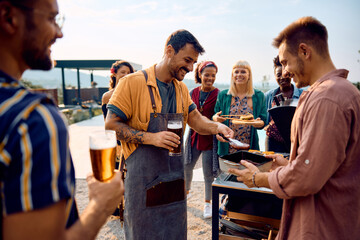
(112, 70)
(206, 64)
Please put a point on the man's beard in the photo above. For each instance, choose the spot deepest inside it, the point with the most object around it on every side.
(177, 74)
(286, 87)
(34, 57)
(301, 74)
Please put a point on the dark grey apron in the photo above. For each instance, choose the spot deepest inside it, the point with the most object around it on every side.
(155, 205)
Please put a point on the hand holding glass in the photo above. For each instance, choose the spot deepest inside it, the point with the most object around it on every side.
(175, 126)
(103, 153)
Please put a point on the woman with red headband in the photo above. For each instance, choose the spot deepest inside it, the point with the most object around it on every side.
(204, 97)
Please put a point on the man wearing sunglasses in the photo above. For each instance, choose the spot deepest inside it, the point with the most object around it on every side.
(37, 180)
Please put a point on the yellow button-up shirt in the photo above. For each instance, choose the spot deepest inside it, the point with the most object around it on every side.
(132, 97)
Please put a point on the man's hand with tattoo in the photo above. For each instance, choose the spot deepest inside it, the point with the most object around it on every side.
(164, 139)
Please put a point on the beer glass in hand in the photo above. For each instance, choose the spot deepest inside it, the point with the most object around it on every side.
(175, 125)
(103, 153)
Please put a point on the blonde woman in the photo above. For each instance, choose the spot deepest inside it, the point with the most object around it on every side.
(241, 99)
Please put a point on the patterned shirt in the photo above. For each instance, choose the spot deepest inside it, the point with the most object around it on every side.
(36, 169)
(241, 132)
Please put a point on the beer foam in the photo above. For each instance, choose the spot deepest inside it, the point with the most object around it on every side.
(102, 141)
(99, 146)
(174, 125)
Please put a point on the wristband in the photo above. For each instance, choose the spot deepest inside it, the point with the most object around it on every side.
(253, 178)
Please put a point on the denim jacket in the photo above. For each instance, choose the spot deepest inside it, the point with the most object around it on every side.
(269, 96)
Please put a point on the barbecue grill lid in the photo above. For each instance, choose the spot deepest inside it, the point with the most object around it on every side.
(282, 116)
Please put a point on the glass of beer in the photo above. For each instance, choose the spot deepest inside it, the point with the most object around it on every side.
(103, 153)
(175, 125)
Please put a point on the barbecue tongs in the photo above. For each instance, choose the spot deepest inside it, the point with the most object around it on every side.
(235, 143)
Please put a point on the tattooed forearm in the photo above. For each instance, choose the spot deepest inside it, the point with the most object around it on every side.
(128, 134)
(123, 131)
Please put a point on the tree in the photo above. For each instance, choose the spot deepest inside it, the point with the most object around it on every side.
(29, 84)
(358, 83)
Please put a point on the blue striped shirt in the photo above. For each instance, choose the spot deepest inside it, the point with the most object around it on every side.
(36, 169)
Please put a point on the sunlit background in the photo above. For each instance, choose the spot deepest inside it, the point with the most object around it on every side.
(229, 30)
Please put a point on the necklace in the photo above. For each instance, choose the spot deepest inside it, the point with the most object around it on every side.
(201, 103)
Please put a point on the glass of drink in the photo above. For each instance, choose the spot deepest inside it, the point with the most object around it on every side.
(103, 153)
(175, 125)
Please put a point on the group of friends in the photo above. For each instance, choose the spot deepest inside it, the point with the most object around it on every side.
(240, 99)
(318, 182)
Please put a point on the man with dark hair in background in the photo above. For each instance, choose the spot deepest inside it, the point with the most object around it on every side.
(274, 141)
(320, 182)
(37, 177)
(155, 204)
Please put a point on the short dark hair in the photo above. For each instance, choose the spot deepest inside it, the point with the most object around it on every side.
(180, 38)
(276, 62)
(18, 1)
(307, 30)
(26, 6)
(26, 3)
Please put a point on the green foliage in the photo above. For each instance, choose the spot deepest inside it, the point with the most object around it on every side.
(78, 114)
(28, 84)
(357, 85)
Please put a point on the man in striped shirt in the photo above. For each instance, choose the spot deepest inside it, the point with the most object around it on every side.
(37, 180)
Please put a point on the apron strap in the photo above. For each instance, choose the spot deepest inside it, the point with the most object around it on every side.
(151, 94)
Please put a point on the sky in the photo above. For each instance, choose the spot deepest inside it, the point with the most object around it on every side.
(229, 30)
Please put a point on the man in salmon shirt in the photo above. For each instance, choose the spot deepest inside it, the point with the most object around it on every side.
(320, 182)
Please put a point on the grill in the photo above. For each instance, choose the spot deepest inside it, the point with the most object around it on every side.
(251, 213)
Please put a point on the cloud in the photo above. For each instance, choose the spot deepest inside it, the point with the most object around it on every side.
(85, 11)
(222, 8)
(142, 8)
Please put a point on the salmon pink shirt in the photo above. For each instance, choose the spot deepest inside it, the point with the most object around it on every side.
(321, 184)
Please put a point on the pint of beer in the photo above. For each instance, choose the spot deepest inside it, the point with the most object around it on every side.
(103, 153)
(175, 126)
